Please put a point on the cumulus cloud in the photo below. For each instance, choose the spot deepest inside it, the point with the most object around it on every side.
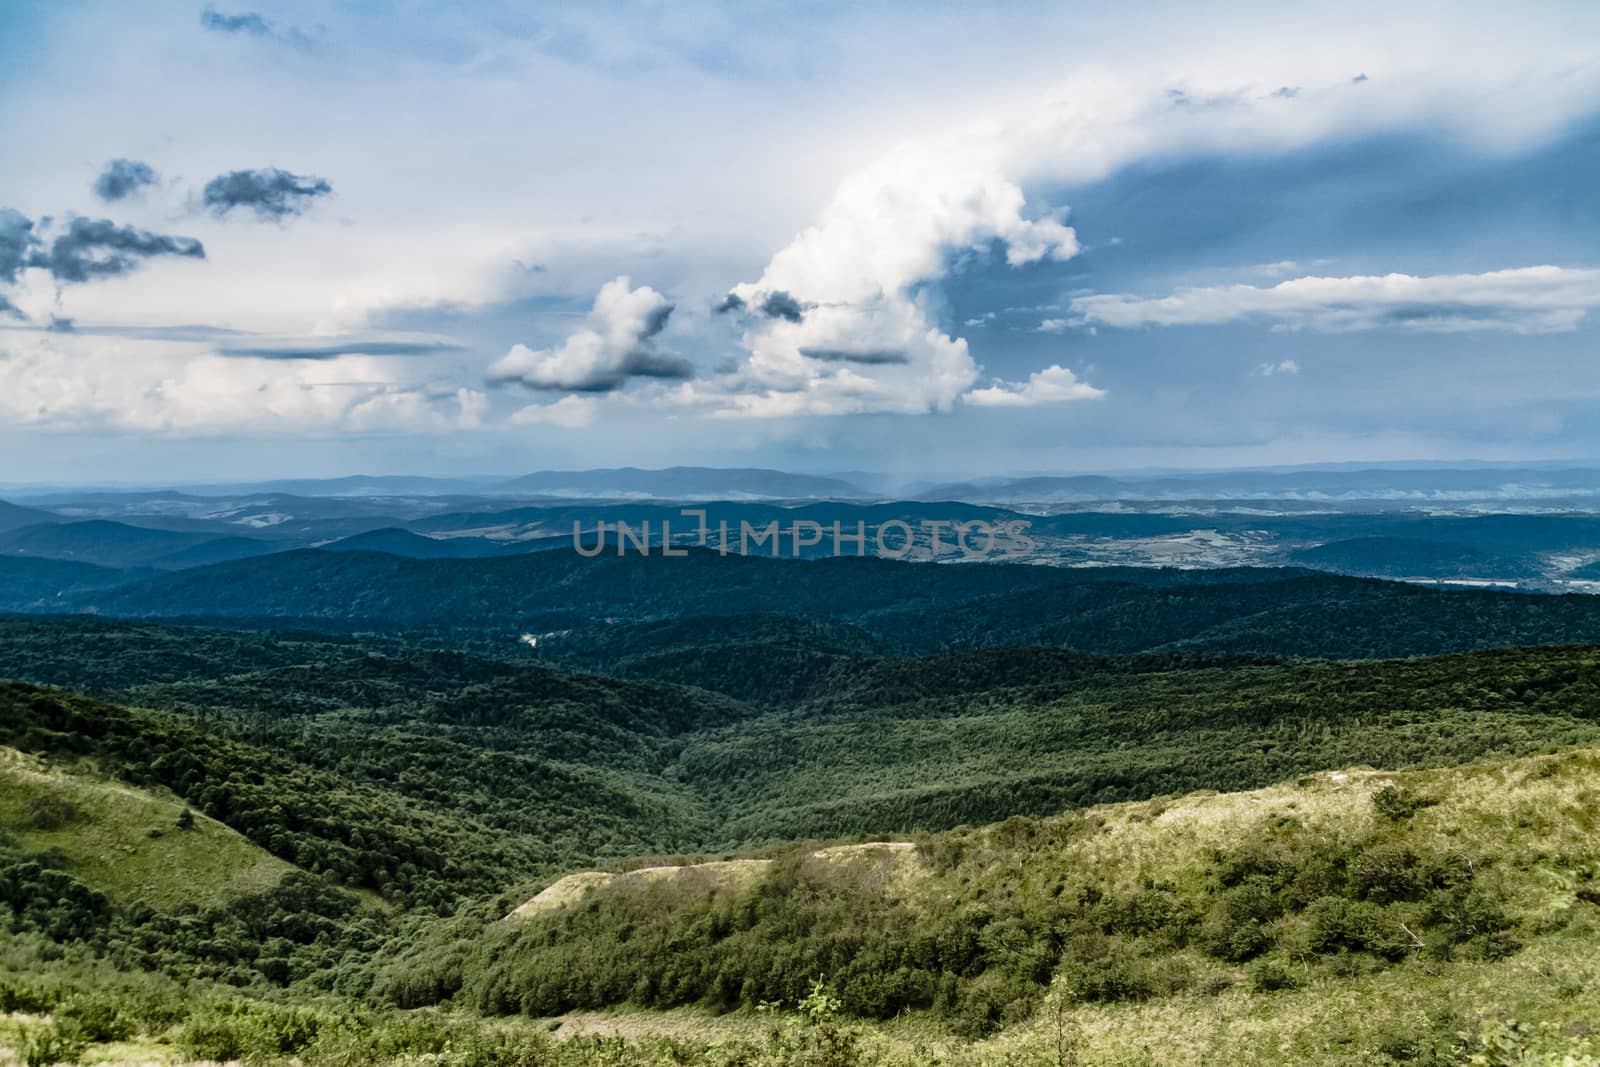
(123, 178)
(846, 322)
(617, 344)
(271, 193)
(253, 24)
(1526, 300)
(1053, 385)
(569, 413)
(1283, 366)
(333, 348)
(99, 248)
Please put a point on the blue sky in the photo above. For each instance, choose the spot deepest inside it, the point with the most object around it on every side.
(933, 240)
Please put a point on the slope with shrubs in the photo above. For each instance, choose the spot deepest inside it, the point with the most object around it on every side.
(1329, 888)
(127, 843)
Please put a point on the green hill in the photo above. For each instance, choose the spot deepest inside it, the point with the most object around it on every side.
(911, 608)
(127, 842)
(1202, 929)
(116, 544)
(1405, 557)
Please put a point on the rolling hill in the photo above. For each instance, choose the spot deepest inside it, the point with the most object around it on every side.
(397, 542)
(15, 516)
(115, 544)
(1403, 557)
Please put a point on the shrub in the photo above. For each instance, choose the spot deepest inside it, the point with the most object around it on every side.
(91, 1019)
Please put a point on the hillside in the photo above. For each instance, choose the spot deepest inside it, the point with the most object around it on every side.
(1160, 925)
(127, 843)
(15, 516)
(116, 544)
(726, 840)
(908, 607)
(1401, 557)
(398, 542)
(46, 584)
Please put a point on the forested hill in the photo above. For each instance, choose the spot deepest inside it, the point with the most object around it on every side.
(911, 608)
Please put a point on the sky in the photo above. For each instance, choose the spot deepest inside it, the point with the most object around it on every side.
(931, 240)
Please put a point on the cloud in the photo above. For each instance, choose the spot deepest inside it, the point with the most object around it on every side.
(272, 193)
(80, 382)
(781, 305)
(323, 348)
(729, 303)
(617, 344)
(253, 24)
(10, 310)
(570, 413)
(17, 242)
(859, 287)
(123, 178)
(1283, 366)
(99, 248)
(870, 357)
(1525, 300)
(1053, 385)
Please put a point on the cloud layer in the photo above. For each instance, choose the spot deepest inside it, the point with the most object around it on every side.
(1527, 300)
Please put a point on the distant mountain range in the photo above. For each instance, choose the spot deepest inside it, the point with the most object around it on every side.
(1457, 534)
(1376, 484)
(685, 483)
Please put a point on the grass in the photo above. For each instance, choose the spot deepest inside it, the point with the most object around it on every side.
(124, 841)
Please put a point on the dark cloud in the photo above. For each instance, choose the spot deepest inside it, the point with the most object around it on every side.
(781, 305)
(122, 178)
(252, 24)
(344, 347)
(777, 304)
(1358, 79)
(656, 321)
(641, 362)
(99, 248)
(868, 357)
(10, 310)
(60, 324)
(271, 193)
(17, 242)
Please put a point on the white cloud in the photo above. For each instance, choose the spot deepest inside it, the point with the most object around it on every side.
(569, 413)
(90, 382)
(617, 344)
(1525, 300)
(1283, 366)
(869, 269)
(1053, 385)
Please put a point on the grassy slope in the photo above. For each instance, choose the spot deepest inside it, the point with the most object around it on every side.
(125, 841)
(1532, 820)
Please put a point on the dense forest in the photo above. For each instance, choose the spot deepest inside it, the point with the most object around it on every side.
(321, 831)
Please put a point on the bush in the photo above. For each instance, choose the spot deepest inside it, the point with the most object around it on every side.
(93, 1019)
(1270, 977)
(1396, 803)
